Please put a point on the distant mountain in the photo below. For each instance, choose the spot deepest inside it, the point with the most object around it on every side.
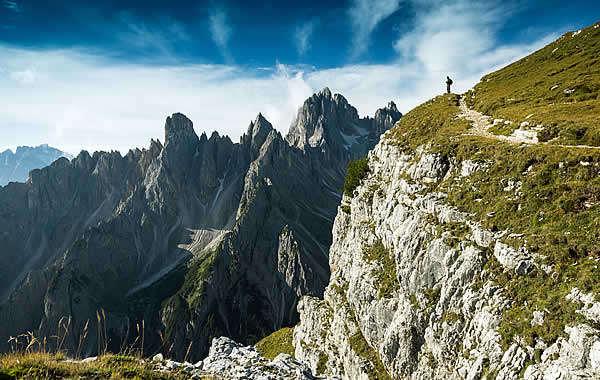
(196, 238)
(15, 167)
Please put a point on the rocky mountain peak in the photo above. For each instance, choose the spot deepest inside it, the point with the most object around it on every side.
(179, 128)
(326, 93)
(386, 117)
(181, 142)
(319, 118)
(257, 133)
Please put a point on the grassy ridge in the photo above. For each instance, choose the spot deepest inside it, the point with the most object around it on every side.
(550, 194)
(557, 86)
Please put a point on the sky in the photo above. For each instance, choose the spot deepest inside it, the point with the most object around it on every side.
(104, 75)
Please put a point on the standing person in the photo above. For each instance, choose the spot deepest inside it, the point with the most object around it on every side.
(448, 83)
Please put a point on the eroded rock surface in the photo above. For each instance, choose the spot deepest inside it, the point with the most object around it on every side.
(407, 298)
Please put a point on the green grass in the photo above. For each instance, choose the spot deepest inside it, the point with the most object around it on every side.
(322, 363)
(37, 365)
(189, 296)
(385, 274)
(281, 341)
(434, 119)
(559, 86)
(374, 369)
(357, 170)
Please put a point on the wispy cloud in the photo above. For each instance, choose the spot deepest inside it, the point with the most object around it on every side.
(11, 5)
(303, 34)
(364, 16)
(220, 31)
(160, 34)
(460, 39)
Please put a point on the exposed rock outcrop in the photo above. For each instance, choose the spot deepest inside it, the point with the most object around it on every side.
(229, 360)
(408, 298)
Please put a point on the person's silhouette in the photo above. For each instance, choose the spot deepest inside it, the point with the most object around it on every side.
(448, 83)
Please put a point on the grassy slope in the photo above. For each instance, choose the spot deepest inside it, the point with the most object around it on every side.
(52, 366)
(278, 342)
(558, 85)
(557, 207)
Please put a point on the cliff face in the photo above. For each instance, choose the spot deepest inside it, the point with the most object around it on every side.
(411, 292)
(198, 238)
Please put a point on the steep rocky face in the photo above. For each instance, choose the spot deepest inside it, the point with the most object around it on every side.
(328, 124)
(409, 296)
(15, 167)
(277, 249)
(198, 238)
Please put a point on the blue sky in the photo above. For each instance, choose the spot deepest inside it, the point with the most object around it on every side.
(105, 74)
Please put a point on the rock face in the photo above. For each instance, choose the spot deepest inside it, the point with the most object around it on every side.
(229, 360)
(15, 167)
(406, 298)
(198, 238)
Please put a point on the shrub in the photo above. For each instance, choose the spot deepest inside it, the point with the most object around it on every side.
(357, 170)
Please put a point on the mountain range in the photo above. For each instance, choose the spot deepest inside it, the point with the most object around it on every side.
(196, 238)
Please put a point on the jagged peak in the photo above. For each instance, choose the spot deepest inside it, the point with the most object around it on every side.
(177, 127)
(258, 130)
(326, 92)
(391, 106)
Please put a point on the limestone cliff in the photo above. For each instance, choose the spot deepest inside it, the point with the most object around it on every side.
(414, 291)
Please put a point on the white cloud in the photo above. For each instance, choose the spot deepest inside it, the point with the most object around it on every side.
(26, 76)
(460, 39)
(364, 17)
(302, 36)
(72, 100)
(220, 31)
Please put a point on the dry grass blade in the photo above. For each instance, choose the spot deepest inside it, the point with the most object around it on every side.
(188, 351)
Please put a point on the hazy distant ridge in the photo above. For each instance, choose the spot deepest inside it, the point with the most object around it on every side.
(15, 167)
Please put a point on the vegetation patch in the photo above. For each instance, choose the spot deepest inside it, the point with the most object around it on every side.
(360, 346)
(189, 296)
(322, 363)
(39, 365)
(281, 341)
(385, 274)
(357, 170)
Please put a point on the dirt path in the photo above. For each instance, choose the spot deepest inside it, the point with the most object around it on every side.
(481, 123)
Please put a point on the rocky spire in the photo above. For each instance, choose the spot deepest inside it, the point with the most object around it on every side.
(385, 118)
(181, 142)
(257, 133)
(179, 129)
(320, 119)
